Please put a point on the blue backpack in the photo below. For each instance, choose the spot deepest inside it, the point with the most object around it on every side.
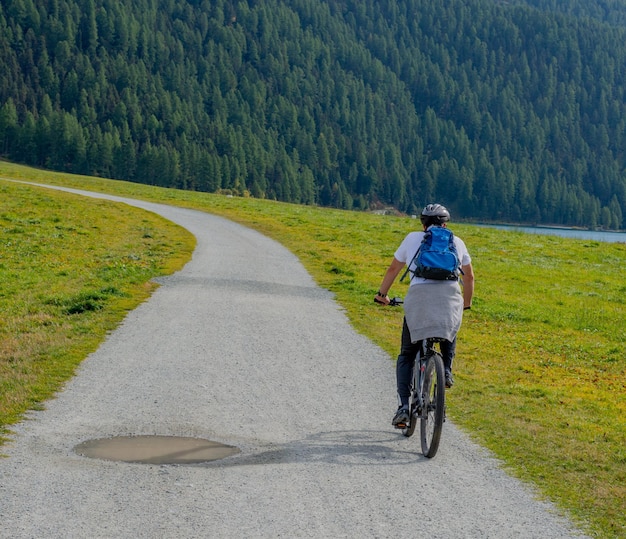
(436, 257)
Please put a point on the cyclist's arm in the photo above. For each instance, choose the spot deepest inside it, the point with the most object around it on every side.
(390, 276)
(468, 285)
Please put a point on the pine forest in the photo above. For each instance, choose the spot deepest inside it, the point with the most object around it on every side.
(510, 111)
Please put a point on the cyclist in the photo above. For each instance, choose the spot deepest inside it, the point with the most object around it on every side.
(431, 308)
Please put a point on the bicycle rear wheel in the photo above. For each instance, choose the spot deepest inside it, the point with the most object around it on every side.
(433, 412)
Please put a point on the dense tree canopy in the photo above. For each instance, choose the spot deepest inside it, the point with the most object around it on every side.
(501, 110)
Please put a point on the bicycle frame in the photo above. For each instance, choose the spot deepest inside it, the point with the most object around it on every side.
(427, 401)
(417, 394)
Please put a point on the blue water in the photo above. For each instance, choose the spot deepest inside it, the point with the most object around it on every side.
(595, 235)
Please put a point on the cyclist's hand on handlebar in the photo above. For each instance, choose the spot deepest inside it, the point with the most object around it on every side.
(383, 300)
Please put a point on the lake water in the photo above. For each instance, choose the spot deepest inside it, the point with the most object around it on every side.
(595, 235)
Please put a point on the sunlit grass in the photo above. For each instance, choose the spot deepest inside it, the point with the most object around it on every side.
(541, 367)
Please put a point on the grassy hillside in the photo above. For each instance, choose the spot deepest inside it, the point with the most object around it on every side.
(541, 368)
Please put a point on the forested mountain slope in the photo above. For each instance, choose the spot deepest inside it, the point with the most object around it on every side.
(501, 110)
(609, 11)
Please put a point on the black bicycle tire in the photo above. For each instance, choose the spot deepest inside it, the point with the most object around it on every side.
(434, 367)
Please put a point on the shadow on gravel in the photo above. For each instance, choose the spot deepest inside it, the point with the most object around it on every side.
(246, 285)
(348, 448)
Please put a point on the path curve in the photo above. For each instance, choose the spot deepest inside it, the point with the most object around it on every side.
(241, 347)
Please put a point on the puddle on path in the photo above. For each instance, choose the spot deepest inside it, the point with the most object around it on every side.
(155, 449)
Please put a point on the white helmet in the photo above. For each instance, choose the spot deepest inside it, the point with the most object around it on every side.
(434, 214)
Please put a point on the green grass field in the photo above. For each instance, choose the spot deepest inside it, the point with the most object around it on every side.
(541, 366)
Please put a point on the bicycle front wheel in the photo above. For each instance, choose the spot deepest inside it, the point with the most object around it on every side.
(433, 412)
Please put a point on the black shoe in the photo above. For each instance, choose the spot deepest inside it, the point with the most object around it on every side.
(401, 418)
(449, 380)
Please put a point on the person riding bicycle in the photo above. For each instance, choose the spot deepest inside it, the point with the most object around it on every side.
(432, 308)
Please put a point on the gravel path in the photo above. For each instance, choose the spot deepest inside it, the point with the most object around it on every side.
(241, 347)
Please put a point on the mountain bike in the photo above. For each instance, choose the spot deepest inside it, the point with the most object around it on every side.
(427, 403)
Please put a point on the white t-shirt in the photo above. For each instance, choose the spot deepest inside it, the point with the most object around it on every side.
(411, 244)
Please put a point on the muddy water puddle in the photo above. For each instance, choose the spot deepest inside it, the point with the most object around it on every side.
(155, 449)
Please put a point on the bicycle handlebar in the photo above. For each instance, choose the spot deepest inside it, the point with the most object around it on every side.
(393, 302)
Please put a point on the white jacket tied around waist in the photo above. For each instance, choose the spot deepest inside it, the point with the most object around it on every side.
(434, 310)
